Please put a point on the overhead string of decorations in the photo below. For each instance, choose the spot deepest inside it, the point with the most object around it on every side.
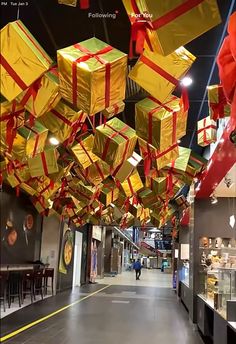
(51, 147)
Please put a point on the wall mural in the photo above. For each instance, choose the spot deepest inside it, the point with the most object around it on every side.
(20, 229)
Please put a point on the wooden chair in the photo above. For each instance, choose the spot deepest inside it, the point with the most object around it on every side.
(28, 284)
(3, 288)
(38, 283)
(48, 273)
(14, 287)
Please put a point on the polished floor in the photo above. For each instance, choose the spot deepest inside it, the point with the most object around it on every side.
(145, 311)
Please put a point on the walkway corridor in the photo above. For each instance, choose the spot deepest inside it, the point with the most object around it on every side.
(131, 313)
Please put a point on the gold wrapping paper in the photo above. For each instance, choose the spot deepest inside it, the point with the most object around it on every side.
(28, 189)
(182, 202)
(72, 3)
(95, 173)
(109, 192)
(127, 221)
(171, 30)
(132, 184)
(160, 159)
(197, 162)
(175, 65)
(40, 205)
(206, 131)
(63, 121)
(92, 83)
(44, 186)
(147, 197)
(123, 171)
(82, 151)
(218, 106)
(159, 219)
(161, 125)
(44, 163)
(114, 142)
(120, 202)
(29, 141)
(42, 95)
(159, 185)
(18, 175)
(136, 210)
(114, 110)
(23, 60)
(85, 193)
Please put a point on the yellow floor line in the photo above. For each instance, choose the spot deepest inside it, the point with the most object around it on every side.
(26, 327)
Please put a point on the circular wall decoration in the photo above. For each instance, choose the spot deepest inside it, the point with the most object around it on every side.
(12, 237)
(29, 221)
(67, 248)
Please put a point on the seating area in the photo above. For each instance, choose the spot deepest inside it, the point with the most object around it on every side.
(23, 286)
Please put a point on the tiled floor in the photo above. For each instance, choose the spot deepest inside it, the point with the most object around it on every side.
(131, 313)
(148, 278)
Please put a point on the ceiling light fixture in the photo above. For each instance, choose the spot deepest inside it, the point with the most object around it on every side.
(54, 141)
(214, 199)
(186, 81)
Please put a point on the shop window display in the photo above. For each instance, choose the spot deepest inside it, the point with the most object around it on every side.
(217, 275)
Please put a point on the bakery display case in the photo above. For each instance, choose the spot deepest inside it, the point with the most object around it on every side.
(217, 275)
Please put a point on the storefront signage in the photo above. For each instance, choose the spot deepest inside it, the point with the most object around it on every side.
(97, 233)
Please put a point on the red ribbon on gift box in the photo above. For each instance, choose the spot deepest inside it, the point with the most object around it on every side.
(84, 4)
(169, 78)
(218, 109)
(140, 25)
(204, 130)
(86, 57)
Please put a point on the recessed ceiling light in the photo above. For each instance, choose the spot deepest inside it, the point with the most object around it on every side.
(178, 141)
(54, 141)
(186, 81)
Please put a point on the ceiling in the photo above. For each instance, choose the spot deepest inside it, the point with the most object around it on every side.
(56, 26)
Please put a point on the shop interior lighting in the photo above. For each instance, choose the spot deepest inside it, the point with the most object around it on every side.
(54, 141)
(186, 81)
(232, 221)
(214, 199)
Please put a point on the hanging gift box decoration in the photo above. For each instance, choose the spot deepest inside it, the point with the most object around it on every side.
(23, 60)
(165, 26)
(147, 197)
(127, 221)
(161, 125)
(42, 95)
(218, 106)
(159, 185)
(152, 155)
(82, 151)
(95, 173)
(109, 192)
(92, 75)
(114, 110)
(123, 171)
(206, 131)
(29, 141)
(18, 175)
(44, 163)
(182, 202)
(132, 185)
(84, 193)
(63, 121)
(160, 75)
(72, 3)
(40, 204)
(114, 142)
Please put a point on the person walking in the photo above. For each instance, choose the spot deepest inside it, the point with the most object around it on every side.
(137, 268)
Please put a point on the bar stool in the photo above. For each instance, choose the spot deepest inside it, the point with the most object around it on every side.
(28, 284)
(48, 273)
(38, 283)
(3, 288)
(14, 287)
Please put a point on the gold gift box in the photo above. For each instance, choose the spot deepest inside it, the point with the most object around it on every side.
(218, 106)
(114, 142)
(159, 75)
(23, 60)
(182, 202)
(72, 3)
(44, 163)
(85, 193)
(109, 192)
(95, 173)
(41, 205)
(82, 151)
(132, 185)
(161, 125)
(160, 159)
(127, 221)
(114, 110)
(123, 171)
(19, 175)
(147, 197)
(136, 209)
(157, 184)
(92, 80)
(63, 121)
(159, 219)
(174, 23)
(42, 95)
(29, 141)
(121, 200)
(44, 186)
(206, 131)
